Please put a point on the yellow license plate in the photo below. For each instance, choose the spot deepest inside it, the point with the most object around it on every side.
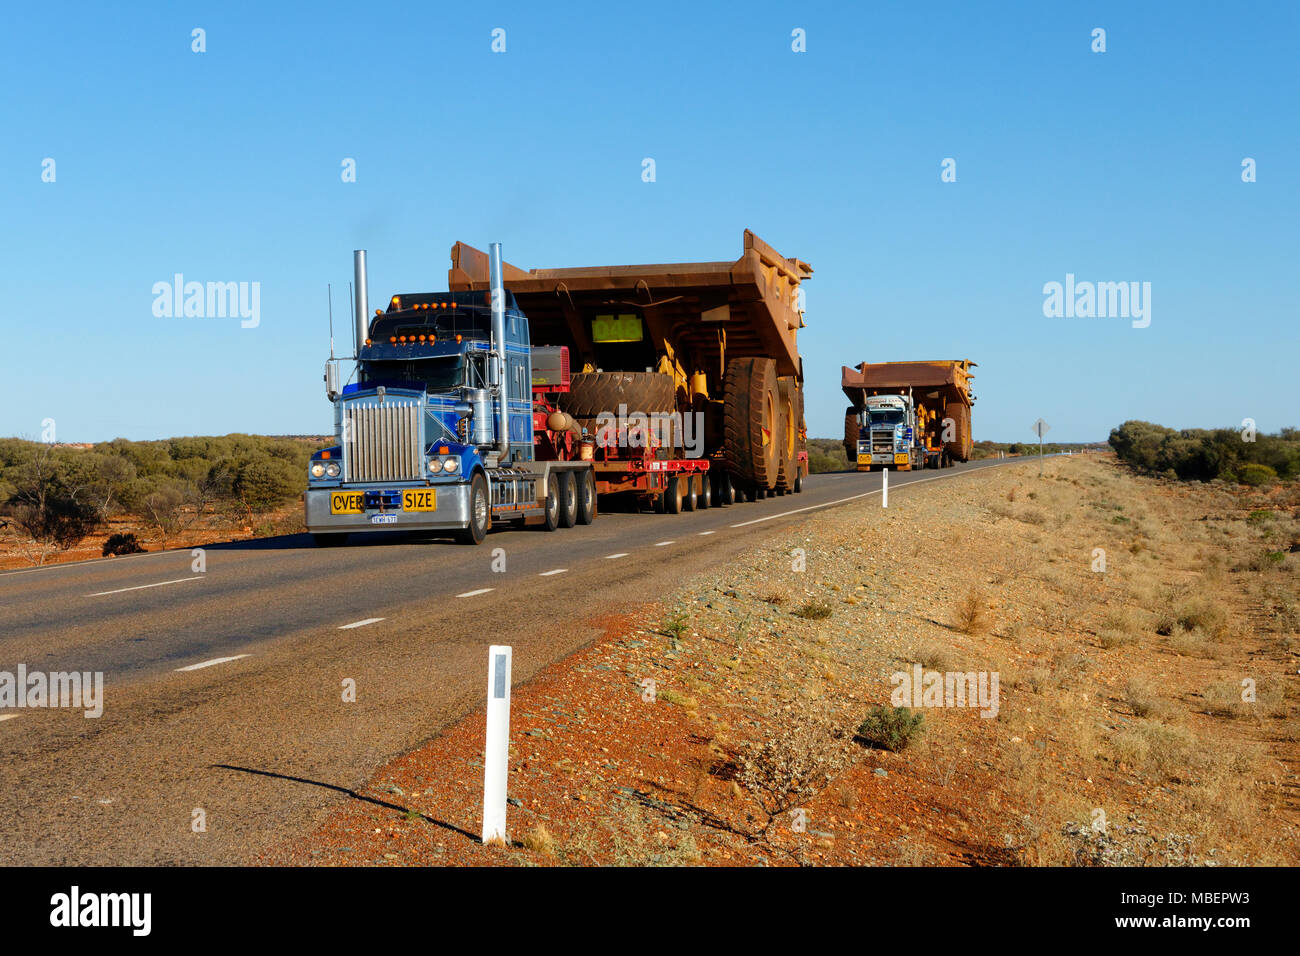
(864, 459)
(419, 499)
(346, 502)
(901, 459)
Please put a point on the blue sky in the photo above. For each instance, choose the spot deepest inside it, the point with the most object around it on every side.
(225, 166)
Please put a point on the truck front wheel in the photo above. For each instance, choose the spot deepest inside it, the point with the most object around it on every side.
(479, 513)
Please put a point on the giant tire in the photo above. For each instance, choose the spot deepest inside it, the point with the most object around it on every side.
(787, 434)
(852, 431)
(593, 393)
(752, 420)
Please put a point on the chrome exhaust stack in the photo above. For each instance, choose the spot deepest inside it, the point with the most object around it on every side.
(362, 316)
(498, 304)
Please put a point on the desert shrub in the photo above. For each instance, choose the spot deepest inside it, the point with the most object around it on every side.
(890, 727)
(813, 610)
(264, 482)
(1255, 475)
(971, 618)
(1205, 454)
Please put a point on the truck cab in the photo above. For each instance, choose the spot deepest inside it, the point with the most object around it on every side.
(887, 436)
(437, 431)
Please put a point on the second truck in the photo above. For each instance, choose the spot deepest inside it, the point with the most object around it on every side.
(908, 415)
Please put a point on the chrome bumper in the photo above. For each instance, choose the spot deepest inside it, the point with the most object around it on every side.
(452, 513)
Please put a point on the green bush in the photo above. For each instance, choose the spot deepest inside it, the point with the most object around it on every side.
(1255, 475)
(890, 727)
(1200, 454)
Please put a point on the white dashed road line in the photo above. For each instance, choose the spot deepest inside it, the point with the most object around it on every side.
(621, 554)
(547, 574)
(703, 533)
(369, 620)
(660, 544)
(475, 593)
(141, 587)
(211, 663)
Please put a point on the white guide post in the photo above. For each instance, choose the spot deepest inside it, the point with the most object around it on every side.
(496, 751)
(884, 488)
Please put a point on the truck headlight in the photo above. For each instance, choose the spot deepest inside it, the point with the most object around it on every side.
(317, 470)
(451, 466)
(435, 465)
(333, 470)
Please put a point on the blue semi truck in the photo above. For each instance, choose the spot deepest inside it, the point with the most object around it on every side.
(445, 429)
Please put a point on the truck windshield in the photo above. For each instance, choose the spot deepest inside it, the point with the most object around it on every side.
(887, 416)
(431, 374)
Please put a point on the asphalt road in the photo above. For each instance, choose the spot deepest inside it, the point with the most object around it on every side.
(259, 738)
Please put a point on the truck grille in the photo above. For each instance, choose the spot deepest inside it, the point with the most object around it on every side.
(882, 443)
(381, 441)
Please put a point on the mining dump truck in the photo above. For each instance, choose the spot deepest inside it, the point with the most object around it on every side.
(686, 377)
(925, 423)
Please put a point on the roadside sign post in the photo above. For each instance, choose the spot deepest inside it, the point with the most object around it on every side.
(1040, 428)
(496, 751)
(884, 488)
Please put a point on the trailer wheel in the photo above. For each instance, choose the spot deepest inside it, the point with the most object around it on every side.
(568, 499)
(480, 514)
(672, 496)
(331, 539)
(724, 494)
(751, 492)
(689, 495)
(586, 497)
(705, 499)
(752, 425)
(551, 517)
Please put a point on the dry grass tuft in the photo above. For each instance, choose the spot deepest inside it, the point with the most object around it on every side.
(972, 613)
(539, 840)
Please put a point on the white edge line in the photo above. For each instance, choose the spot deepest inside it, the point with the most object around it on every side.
(211, 663)
(475, 593)
(547, 574)
(4, 717)
(621, 554)
(660, 544)
(703, 533)
(369, 620)
(865, 494)
(141, 587)
(91, 562)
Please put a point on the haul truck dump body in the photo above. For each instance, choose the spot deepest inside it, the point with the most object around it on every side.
(926, 421)
(709, 346)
